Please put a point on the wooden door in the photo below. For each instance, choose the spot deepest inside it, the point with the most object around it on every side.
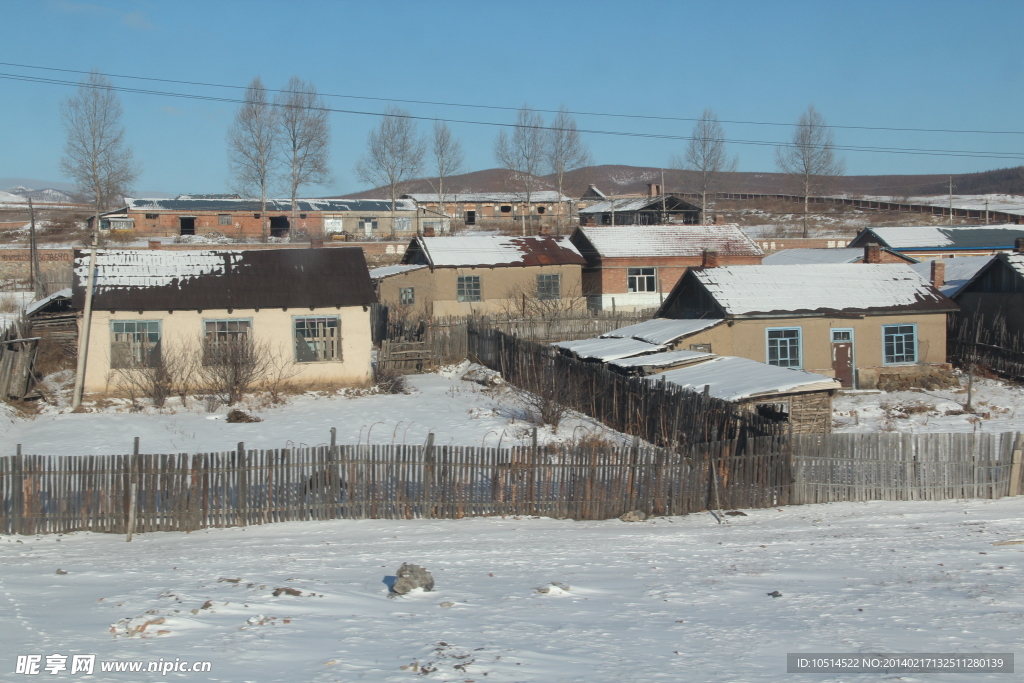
(842, 356)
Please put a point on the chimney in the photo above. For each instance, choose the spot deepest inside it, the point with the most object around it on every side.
(156, 244)
(872, 253)
(316, 242)
(938, 273)
(719, 220)
(428, 231)
(709, 258)
(653, 190)
(1018, 245)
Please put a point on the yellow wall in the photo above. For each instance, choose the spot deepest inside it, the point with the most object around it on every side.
(748, 339)
(184, 329)
(436, 291)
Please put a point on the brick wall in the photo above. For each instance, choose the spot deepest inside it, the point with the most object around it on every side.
(611, 277)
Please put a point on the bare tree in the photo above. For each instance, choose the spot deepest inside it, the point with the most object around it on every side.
(96, 155)
(522, 153)
(394, 154)
(305, 137)
(566, 152)
(810, 158)
(252, 147)
(706, 155)
(230, 367)
(448, 158)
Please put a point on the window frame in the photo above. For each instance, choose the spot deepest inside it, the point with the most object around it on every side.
(916, 344)
(153, 351)
(461, 291)
(224, 219)
(555, 278)
(799, 347)
(403, 299)
(295, 339)
(648, 278)
(206, 341)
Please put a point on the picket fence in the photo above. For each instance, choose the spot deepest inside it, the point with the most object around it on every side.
(183, 492)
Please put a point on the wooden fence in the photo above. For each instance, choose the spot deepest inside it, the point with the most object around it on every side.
(660, 413)
(182, 492)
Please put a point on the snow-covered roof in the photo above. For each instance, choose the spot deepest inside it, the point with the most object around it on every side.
(731, 378)
(950, 238)
(606, 349)
(225, 203)
(663, 330)
(490, 250)
(790, 257)
(33, 307)
(386, 271)
(959, 271)
(667, 240)
(860, 287)
(541, 196)
(1015, 261)
(663, 359)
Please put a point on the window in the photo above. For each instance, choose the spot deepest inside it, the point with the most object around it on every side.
(333, 224)
(224, 219)
(317, 339)
(152, 216)
(506, 209)
(641, 280)
(842, 335)
(469, 288)
(404, 223)
(540, 209)
(701, 347)
(899, 343)
(221, 336)
(407, 296)
(302, 215)
(256, 215)
(784, 347)
(368, 225)
(134, 343)
(549, 287)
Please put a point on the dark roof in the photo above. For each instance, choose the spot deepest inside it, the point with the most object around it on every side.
(217, 279)
(202, 203)
(941, 238)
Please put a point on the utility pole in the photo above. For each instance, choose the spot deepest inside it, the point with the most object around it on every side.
(83, 336)
(986, 212)
(664, 217)
(33, 266)
(951, 200)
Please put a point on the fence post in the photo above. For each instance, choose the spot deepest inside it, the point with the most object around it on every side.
(18, 502)
(1015, 466)
(132, 493)
(334, 475)
(243, 486)
(428, 476)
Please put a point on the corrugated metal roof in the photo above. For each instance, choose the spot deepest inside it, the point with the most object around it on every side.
(862, 288)
(542, 196)
(669, 240)
(1015, 261)
(460, 251)
(731, 378)
(662, 359)
(199, 203)
(959, 271)
(61, 294)
(606, 349)
(790, 257)
(215, 279)
(944, 237)
(662, 330)
(386, 271)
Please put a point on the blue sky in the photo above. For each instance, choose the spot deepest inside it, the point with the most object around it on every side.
(940, 65)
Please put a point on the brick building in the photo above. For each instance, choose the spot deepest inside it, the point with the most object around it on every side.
(234, 217)
(634, 267)
(478, 208)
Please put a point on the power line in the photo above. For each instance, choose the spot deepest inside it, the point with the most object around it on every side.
(648, 117)
(1013, 156)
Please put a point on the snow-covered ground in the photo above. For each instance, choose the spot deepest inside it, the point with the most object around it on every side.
(997, 407)
(670, 599)
(459, 412)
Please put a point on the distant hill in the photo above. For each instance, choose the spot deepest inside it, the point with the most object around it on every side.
(617, 179)
(49, 195)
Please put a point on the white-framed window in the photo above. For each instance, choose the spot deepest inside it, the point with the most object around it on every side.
(549, 286)
(899, 344)
(134, 343)
(407, 296)
(468, 288)
(317, 338)
(334, 224)
(221, 338)
(403, 223)
(224, 219)
(641, 280)
(784, 347)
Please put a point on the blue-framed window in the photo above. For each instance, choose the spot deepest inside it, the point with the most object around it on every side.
(134, 343)
(226, 339)
(899, 344)
(784, 347)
